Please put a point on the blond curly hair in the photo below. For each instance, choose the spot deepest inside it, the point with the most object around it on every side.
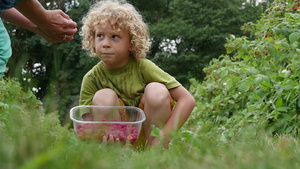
(121, 15)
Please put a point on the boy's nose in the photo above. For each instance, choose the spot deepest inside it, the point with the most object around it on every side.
(106, 43)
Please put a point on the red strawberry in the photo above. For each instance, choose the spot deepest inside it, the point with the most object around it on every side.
(79, 126)
(129, 137)
(122, 137)
(133, 130)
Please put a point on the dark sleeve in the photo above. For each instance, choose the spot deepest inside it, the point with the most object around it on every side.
(7, 4)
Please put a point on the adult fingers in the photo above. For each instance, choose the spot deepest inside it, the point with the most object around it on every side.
(70, 23)
(70, 31)
(63, 14)
(67, 38)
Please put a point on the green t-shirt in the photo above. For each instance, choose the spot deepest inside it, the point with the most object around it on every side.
(128, 82)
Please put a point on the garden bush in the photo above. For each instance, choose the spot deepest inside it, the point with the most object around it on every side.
(257, 82)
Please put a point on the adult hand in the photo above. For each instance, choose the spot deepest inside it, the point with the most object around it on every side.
(57, 26)
(53, 25)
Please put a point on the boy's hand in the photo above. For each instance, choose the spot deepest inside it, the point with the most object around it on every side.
(155, 142)
(110, 139)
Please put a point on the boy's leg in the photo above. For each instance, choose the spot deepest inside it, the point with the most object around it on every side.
(106, 97)
(156, 101)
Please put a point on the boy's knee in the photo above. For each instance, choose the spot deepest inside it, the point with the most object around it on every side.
(157, 94)
(106, 97)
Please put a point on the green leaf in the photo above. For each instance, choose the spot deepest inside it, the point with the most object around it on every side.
(224, 73)
(42, 158)
(278, 30)
(294, 37)
(245, 46)
(289, 129)
(28, 95)
(155, 131)
(247, 58)
(282, 109)
(276, 46)
(229, 50)
(231, 102)
(229, 84)
(244, 87)
(257, 80)
(260, 93)
(278, 102)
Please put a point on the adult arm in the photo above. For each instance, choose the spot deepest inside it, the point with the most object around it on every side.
(16, 18)
(54, 24)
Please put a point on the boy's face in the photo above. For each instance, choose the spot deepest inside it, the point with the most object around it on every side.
(112, 47)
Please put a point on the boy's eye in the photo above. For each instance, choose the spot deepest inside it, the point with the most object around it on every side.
(100, 36)
(115, 36)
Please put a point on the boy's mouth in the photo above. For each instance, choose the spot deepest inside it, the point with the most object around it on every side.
(107, 54)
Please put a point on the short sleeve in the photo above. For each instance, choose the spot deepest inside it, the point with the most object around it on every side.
(87, 91)
(152, 73)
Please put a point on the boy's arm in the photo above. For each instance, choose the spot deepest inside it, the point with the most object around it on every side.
(54, 24)
(184, 106)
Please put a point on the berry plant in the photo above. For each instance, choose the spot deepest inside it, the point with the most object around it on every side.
(257, 83)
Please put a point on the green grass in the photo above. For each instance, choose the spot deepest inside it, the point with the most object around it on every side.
(31, 140)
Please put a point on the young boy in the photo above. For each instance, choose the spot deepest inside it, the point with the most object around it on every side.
(115, 32)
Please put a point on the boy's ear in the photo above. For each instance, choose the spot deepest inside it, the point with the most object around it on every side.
(131, 47)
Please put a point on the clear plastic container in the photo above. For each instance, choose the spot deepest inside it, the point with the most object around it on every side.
(95, 122)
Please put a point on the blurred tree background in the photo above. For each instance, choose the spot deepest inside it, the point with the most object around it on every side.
(186, 35)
